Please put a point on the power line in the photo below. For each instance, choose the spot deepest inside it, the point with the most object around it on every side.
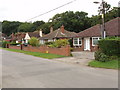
(51, 10)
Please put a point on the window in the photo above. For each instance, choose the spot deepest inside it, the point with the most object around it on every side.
(95, 40)
(77, 41)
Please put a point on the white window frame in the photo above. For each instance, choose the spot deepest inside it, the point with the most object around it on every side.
(78, 39)
(93, 39)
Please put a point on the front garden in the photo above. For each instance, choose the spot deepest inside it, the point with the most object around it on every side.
(50, 50)
(108, 56)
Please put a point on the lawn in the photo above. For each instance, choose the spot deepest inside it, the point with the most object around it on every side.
(113, 64)
(37, 54)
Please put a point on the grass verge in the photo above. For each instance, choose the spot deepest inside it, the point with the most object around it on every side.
(37, 54)
(113, 64)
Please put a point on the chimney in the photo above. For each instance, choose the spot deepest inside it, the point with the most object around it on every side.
(51, 29)
(62, 28)
(40, 32)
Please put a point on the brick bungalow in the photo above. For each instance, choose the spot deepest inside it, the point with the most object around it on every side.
(87, 40)
(18, 37)
(60, 33)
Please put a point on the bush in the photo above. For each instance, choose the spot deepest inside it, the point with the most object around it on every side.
(34, 41)
(59, 43)
(14, 43)
(48, 43)
(4, 43)
(110, 46)
(99, 56)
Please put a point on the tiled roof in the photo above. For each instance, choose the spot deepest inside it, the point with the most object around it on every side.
(17, 36)
(58, 34)
(34, 34)
(112, 28)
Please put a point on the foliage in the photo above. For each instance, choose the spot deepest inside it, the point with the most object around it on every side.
(37, 54)
(25, 27)
(45, 27)
(4, 43)
(37, 24)
(9, 27)
(48, 43)
(110, 46)
(76, 22)
(34, 41)
(59, 43)
(14, 43)
(99, 56)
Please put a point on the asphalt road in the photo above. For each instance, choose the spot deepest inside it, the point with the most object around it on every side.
(25, 71)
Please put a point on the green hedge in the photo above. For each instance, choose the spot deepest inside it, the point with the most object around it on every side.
(110, 46)
(59, 43)
(4, 43)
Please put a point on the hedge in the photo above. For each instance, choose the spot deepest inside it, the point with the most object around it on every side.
(110, 47)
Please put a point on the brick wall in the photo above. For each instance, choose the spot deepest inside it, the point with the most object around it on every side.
(44, 49)
(14, 47)
(79, 48)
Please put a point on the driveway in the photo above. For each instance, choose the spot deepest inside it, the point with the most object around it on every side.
(25, 71)
(79, 58)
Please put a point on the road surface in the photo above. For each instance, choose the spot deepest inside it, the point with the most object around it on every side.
(26, 71)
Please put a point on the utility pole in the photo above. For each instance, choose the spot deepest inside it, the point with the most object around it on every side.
(102, 12)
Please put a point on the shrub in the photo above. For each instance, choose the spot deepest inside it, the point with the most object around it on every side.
(59, 43)
(48, 43)
(4, 43)
(34, 41)
(110, 46)
(14, 43)
(99, 56)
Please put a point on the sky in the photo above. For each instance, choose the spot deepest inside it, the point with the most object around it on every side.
(22, 10)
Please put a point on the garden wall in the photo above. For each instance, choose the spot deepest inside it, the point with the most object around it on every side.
(44, 49)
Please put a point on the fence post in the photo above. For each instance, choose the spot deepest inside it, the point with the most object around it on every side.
(21, 47)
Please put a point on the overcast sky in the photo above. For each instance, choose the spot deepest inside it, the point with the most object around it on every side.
(22, 10)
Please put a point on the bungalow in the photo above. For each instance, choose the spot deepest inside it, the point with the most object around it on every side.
(18, 37)
(36, 34)
(60, 33)
(87, 40)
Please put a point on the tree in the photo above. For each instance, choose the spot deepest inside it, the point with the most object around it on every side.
(26, 27)
(45, 27)
(111, 14)
(37, 24)
(10, 27)
(76, 22)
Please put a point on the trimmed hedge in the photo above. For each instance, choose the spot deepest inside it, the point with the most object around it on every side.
(110, 46)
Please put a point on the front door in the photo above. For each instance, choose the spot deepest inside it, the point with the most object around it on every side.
(87, 44)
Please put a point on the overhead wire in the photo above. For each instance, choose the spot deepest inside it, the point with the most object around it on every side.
(51, 10)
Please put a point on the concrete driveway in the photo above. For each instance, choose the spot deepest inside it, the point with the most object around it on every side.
(25, 71)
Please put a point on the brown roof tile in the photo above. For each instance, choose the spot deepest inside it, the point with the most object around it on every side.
(58, 34)
(112, 28)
